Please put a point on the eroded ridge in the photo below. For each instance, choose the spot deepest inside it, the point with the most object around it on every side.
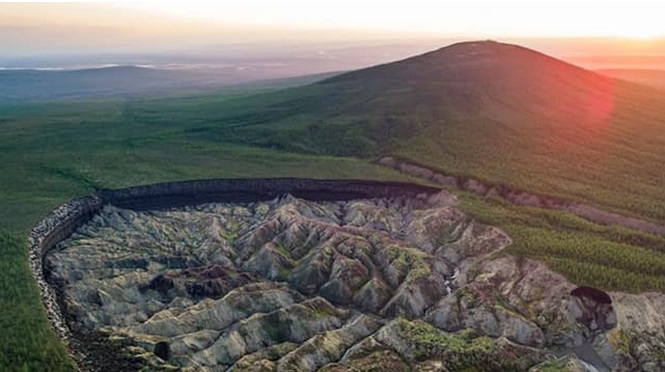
(404, 283)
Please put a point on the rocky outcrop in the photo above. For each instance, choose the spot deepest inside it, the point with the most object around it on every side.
(524, 302)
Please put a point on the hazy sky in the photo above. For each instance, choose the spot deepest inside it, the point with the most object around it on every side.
(53, 27)
(467, 18)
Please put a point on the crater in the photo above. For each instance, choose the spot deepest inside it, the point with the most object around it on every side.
(349, 281)
(209, 285)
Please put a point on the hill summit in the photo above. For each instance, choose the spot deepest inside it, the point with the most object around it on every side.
(484, 86)
(495, 78)
(474, 61)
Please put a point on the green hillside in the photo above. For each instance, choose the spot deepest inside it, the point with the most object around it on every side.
(498, 112)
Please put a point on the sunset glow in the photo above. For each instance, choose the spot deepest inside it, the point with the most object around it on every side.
(365, 18)
(471, 18)
(174, 23)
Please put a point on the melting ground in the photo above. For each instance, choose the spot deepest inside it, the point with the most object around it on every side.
(406, 283)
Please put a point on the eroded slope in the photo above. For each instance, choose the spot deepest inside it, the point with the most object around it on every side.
(401, 283)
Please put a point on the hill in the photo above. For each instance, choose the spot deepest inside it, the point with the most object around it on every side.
(497, 112)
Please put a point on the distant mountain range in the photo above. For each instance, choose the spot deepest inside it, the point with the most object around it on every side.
(19, 85)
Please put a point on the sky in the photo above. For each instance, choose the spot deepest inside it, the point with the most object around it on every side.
(30, 28)
(468, 18)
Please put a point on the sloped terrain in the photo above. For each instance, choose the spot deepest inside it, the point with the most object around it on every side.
(294, 285)
(497, 112)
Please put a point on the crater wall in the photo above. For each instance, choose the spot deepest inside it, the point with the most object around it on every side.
(173, 194)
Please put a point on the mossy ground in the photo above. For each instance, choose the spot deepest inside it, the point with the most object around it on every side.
(461, 351)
